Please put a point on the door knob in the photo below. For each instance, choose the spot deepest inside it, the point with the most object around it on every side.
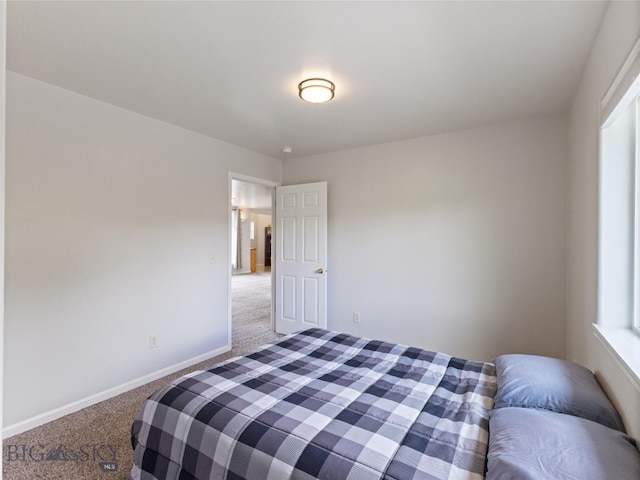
(319, 271)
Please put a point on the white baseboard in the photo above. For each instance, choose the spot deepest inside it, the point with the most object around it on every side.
(59, 412)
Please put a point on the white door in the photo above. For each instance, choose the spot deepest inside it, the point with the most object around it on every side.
(300, 257)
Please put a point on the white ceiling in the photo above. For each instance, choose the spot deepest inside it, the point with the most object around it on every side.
(251, 195)
(230, 70)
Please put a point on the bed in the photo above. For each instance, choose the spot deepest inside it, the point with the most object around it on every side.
(322, 404)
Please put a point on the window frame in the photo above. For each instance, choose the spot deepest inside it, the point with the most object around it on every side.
(619, 160)
(618, 302)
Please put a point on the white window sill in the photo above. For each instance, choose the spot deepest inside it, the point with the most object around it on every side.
(624, 345)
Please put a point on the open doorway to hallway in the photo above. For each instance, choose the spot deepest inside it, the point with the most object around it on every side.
(251, 282)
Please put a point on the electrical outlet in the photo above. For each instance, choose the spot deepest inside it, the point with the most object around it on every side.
(154, 341)
(356, 317)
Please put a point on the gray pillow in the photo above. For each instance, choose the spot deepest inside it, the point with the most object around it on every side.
(545, 383)
(528, 444)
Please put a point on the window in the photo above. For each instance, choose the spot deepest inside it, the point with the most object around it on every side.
(619, 230)
(618, 324)
(234, 238)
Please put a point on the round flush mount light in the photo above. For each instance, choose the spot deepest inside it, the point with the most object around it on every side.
(316, 90)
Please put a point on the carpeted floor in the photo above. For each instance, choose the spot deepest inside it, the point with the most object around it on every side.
(94, 443)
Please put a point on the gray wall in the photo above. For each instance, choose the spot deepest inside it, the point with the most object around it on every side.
(453, 242)
(111, 221)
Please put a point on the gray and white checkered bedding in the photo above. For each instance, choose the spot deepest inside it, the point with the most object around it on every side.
(320, 404)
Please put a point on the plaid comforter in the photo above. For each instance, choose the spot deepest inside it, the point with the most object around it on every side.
(320, 404)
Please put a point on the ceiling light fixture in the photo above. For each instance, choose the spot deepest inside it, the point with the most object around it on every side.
(316, 90)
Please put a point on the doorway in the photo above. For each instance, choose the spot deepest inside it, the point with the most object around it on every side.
(251, 285)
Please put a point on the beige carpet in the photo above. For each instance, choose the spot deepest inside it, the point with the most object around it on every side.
(95, 443)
